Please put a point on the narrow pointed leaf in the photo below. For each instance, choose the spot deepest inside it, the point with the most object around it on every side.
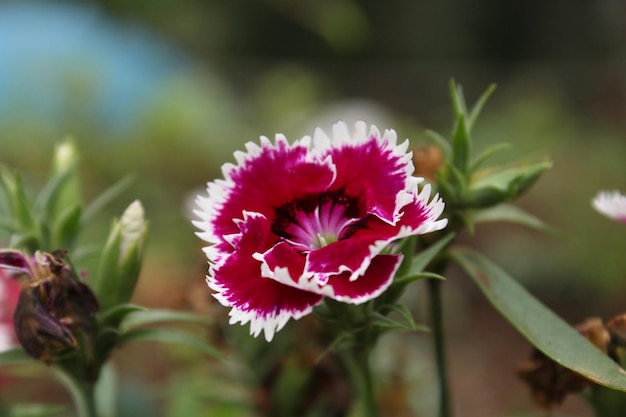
(106, 391)
(461, 144)
(503, 185)
(6, 224)
(478, 106)
(388, 323)
(544, 329)
(16, 198)
(114, 315)
(25, 240)
(170, 336)
(439, 141)
(148, 317)
(14, 356)
(421, 261)
(404, 312)
(458, 99)
(66, 227)
(78, 393)
(56, 193)
(512, 214)
(110, 194)
(416, 271)
(416, 277)
(407, 249)
(486, 154)
(34, 410)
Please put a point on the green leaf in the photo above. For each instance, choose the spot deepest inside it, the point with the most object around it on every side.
(607, 402)
(421, 261)
(486, 154)
(65, 227)
(545, 330)
(439, 141)
(55, 195)
(414, 272)
(106, 391)
(452, 184)
(114, 315)
(415, 277)
(407, 249)
(478, 106)
(461, 144)
(25, 240)
(6, 224)
(503, 185)
(512, 214)
(458, 99)
(33, 410)
(14, 356)
(147, 317)
(16, 198)
(407, 323)
(81, 397)
(170, 336)
(105, 198)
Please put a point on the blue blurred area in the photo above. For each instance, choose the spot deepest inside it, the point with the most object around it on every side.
(56, 55)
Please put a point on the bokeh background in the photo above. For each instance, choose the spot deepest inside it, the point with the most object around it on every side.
(166, 91)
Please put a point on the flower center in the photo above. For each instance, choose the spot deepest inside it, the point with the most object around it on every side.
(316, 221)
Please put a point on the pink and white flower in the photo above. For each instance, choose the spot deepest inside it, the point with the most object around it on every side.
(611, 204)
(291, 224)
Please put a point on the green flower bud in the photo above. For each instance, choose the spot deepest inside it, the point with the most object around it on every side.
(121, 259)
(502, 186)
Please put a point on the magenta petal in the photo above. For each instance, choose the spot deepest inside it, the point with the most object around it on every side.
(354, 252)
(284, 256)
(265, 178)
(9, 294)
(15, 261)
(265, 303)
(371, 284)
(376, 170)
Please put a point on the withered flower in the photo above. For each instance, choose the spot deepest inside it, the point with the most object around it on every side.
(54, 310)
(550, 382)
(427, 161)
(617, 329)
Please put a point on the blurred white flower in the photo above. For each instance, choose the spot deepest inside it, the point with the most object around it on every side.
(612, 204)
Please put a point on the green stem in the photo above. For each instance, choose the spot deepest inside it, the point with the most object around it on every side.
(357, 363)
(434, 287)
(82, 393)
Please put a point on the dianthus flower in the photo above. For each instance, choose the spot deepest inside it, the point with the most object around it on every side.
(291, 224)
(611, 204)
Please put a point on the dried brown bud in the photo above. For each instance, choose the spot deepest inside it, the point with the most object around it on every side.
(53, 308)
(550, 382)
(427, 161)
(617, 330)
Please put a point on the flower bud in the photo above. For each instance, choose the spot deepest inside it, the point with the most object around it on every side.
(550, 382)
(504, 185)
(427, 160)
(53, 308)
(121, 258)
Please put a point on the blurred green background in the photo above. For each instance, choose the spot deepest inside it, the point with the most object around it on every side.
(166, 91)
